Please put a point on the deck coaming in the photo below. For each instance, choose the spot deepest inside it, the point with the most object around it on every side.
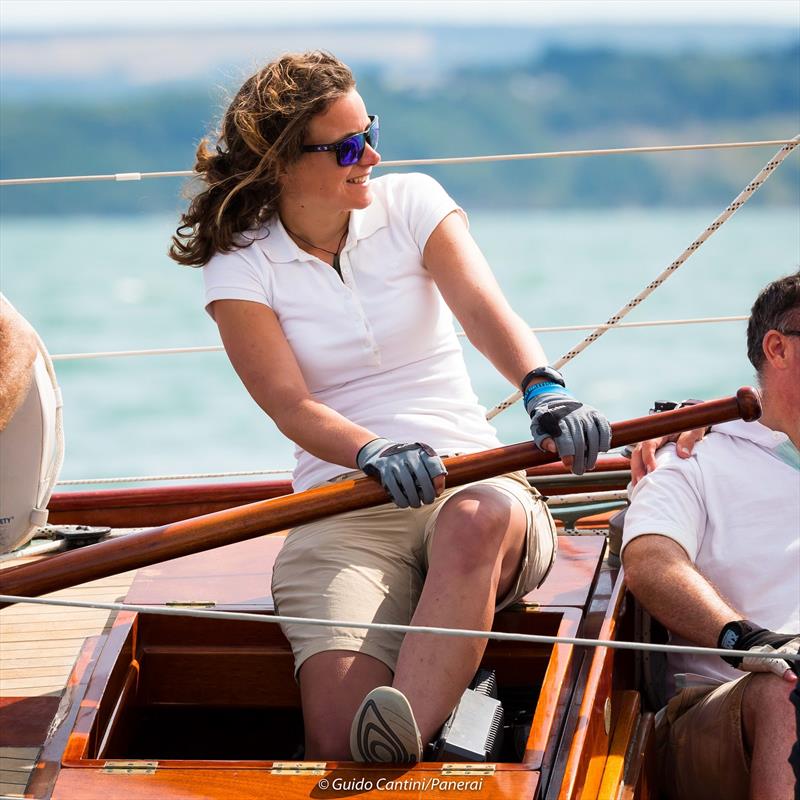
(39, 644)
(38, 648)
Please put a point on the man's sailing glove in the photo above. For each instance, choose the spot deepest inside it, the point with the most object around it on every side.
(745, 635)
(578, 430)
(406, 471)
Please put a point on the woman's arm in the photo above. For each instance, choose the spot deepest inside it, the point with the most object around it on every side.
(559, 423)
(470, 290)
(263, 359)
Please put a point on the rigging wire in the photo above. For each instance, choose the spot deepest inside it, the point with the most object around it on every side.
(287, 471)
(737, 203)
(188, 173)
(218, 348)
(185, 477)
(384, 626)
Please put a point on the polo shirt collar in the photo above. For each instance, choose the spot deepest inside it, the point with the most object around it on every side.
(280, 248)
(366, 221)
(754, 432)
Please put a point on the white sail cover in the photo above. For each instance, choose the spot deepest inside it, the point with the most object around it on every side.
(31, 453)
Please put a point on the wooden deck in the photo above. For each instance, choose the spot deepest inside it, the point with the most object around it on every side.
(40, 644)
(38, 647)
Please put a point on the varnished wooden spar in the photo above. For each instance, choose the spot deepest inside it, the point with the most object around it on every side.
(244, 522)
(121, 507)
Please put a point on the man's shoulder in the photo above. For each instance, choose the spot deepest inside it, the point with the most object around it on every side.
(671, 465)
(711, 453)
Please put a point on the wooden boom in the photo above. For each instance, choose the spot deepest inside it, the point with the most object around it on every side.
(206, 532)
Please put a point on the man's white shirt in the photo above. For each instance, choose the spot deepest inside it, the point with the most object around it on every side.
(734, 507)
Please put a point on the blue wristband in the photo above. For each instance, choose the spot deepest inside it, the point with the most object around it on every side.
(545, 388)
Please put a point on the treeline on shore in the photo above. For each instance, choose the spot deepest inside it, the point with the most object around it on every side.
(562, 100)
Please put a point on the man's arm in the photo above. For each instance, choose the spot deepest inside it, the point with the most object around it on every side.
(18, 347)
(658, 571)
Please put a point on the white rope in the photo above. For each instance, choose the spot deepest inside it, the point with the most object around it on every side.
(185, 477)
(212, 348)
(116, 176)
(582, 153)
(379, 626)
(551, 329)
(188, 173)
(556, 500)
(29, 550)
(737, 203)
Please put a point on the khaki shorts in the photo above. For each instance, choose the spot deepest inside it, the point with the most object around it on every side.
(700, 742)
(370, 565)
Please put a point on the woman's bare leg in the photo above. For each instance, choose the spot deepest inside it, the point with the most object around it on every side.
(477, 548)
(332, 685)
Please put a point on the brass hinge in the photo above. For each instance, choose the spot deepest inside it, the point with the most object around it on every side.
(298, 767)
(468, 769)
(130, 767)
(524, 605)
(190, 603)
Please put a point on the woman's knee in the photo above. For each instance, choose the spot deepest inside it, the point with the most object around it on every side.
(478, 527)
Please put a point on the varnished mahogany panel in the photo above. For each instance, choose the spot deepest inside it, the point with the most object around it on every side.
(242, 783)
(139, 639)
(590, 739)
(641, 781)
(625, 726)
(48, 766)
(239, 575)
(24, 720)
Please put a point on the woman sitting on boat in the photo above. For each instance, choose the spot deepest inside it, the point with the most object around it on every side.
(333, 295)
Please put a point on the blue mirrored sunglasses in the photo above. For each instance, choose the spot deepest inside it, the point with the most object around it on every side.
(350, 149)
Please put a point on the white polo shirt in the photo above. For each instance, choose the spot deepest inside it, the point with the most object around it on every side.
(377, 345)
(734, 507)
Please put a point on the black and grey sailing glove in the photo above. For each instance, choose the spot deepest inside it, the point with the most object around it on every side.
(745, 635)
(578, 430)
(406, 471)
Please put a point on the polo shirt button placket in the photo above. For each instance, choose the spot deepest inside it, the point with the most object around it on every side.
(347, 273)
(370, 345)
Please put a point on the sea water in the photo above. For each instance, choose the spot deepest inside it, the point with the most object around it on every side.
(91, 284)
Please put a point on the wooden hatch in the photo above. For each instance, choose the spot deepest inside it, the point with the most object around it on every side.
(167, 707)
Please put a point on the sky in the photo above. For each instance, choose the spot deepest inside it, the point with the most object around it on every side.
(64, 15)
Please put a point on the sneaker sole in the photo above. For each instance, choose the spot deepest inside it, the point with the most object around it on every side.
(384, 730)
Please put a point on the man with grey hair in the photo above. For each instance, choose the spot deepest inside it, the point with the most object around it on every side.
(711, 548)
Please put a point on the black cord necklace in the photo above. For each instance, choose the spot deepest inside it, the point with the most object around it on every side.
(334, 253)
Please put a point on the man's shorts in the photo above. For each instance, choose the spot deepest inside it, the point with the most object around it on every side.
(700, 742)
(370, 565)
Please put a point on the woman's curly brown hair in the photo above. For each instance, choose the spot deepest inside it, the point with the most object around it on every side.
(262, 132)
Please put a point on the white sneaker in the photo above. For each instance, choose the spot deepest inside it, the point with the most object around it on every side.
(384, 729)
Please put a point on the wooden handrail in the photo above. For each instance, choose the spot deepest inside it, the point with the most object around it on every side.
(176, 539)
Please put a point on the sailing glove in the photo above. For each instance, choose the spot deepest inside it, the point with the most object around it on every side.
(406, 471)
(745, 635)
(578, 430)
